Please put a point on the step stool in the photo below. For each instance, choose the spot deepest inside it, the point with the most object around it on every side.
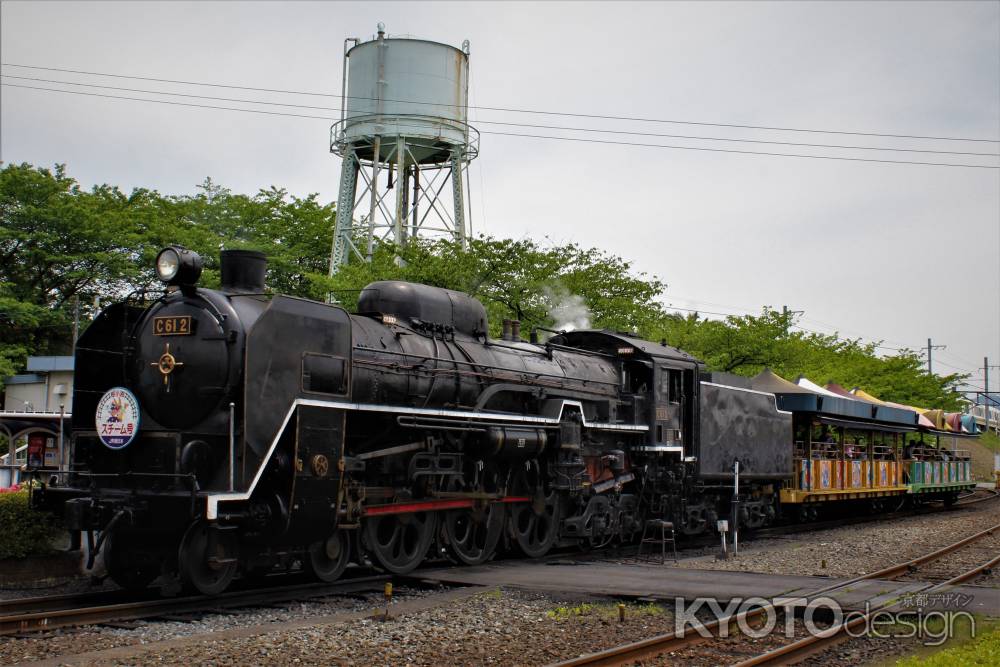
(653, 525)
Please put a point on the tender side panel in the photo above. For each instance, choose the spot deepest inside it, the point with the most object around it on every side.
(745, 425)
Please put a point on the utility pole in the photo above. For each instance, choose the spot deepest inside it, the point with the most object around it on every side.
(986, 391)
(930, 349)
(988, 401)
(76, 321)
(787, 314)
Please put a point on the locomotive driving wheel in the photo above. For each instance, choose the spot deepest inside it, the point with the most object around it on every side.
(535, 525)
(400, 541)
(473, 534)
(207, 561)
(328, 558)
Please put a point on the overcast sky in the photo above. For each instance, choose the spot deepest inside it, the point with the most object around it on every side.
(889, 252)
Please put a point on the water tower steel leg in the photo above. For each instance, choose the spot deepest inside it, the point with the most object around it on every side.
(373, 208)
(399, 219)
(404, 218)
(456, 183)
(340, 252)
(468, 199)
(416, 198)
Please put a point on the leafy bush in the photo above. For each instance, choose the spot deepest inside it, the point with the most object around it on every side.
(983, 651)
(23, 531)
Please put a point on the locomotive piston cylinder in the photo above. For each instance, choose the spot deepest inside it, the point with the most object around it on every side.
(515, 443)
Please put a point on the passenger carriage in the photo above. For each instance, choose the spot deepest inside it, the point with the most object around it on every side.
(849, 448)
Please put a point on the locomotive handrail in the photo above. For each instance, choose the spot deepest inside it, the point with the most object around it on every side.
(577, 350)
(213, 499)
(473, 364)
(515, 378)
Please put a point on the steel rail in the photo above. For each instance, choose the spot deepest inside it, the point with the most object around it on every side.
(812, 644)
(50, 619)
(754, 534)
(66, 601)
(813, 526)
(648, 648)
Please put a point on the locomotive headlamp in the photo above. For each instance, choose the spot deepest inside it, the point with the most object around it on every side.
(178, 266)
(167, 264)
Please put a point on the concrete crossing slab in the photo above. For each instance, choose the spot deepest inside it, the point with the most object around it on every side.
(665, 582)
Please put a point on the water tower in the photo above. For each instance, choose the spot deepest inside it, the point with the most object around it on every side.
(403, 129)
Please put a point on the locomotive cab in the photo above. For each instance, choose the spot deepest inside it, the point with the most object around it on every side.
(659, 386)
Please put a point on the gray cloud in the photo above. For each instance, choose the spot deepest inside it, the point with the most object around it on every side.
(887, 251)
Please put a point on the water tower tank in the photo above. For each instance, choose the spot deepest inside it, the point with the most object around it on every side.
(411, 88)
(403, 130)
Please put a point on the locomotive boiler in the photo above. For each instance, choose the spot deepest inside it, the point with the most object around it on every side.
(232, 432)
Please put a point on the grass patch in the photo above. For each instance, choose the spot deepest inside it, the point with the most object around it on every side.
(961, 651)
(985, 650)
(603, 610)
(990, 440)
(983, 448)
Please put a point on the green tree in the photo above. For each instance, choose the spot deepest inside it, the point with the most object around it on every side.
(745, 345)
(58, 246)
(520, 280)
(61, 245)
(63, 248)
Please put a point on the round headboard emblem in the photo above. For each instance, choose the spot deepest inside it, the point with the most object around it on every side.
(117, 418)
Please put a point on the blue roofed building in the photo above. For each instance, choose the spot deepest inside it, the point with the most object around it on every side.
(32, 402)
(46, 384)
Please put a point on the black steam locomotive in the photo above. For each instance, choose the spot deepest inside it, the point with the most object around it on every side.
(224, 433)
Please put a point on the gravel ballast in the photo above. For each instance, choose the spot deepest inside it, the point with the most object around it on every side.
(509, 627)
(852, 550)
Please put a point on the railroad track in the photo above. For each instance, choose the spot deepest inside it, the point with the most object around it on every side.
(646, 649)
(977, 496)
(810, 645)
(69, 600)
(752, 534)
(35, 614)
(61, 611)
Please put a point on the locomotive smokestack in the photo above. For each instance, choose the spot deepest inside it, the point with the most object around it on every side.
(243, 271)
(515, 331)
(506, 335)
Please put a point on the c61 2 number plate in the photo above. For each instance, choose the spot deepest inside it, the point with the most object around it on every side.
(172, 326)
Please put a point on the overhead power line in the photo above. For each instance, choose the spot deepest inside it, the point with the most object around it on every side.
(742, 152)
(748, 141)
(177, 104)
(529, 125)
(524, 135)
(510, 109)
(938, 361)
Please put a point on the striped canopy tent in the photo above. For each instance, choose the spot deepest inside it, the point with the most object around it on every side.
(772, 383)
(937, 417)
(807, 396)
(954, 421)
(839, 403)
(969, 424)
(840, 391)
(921, 419)
(806, 383)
